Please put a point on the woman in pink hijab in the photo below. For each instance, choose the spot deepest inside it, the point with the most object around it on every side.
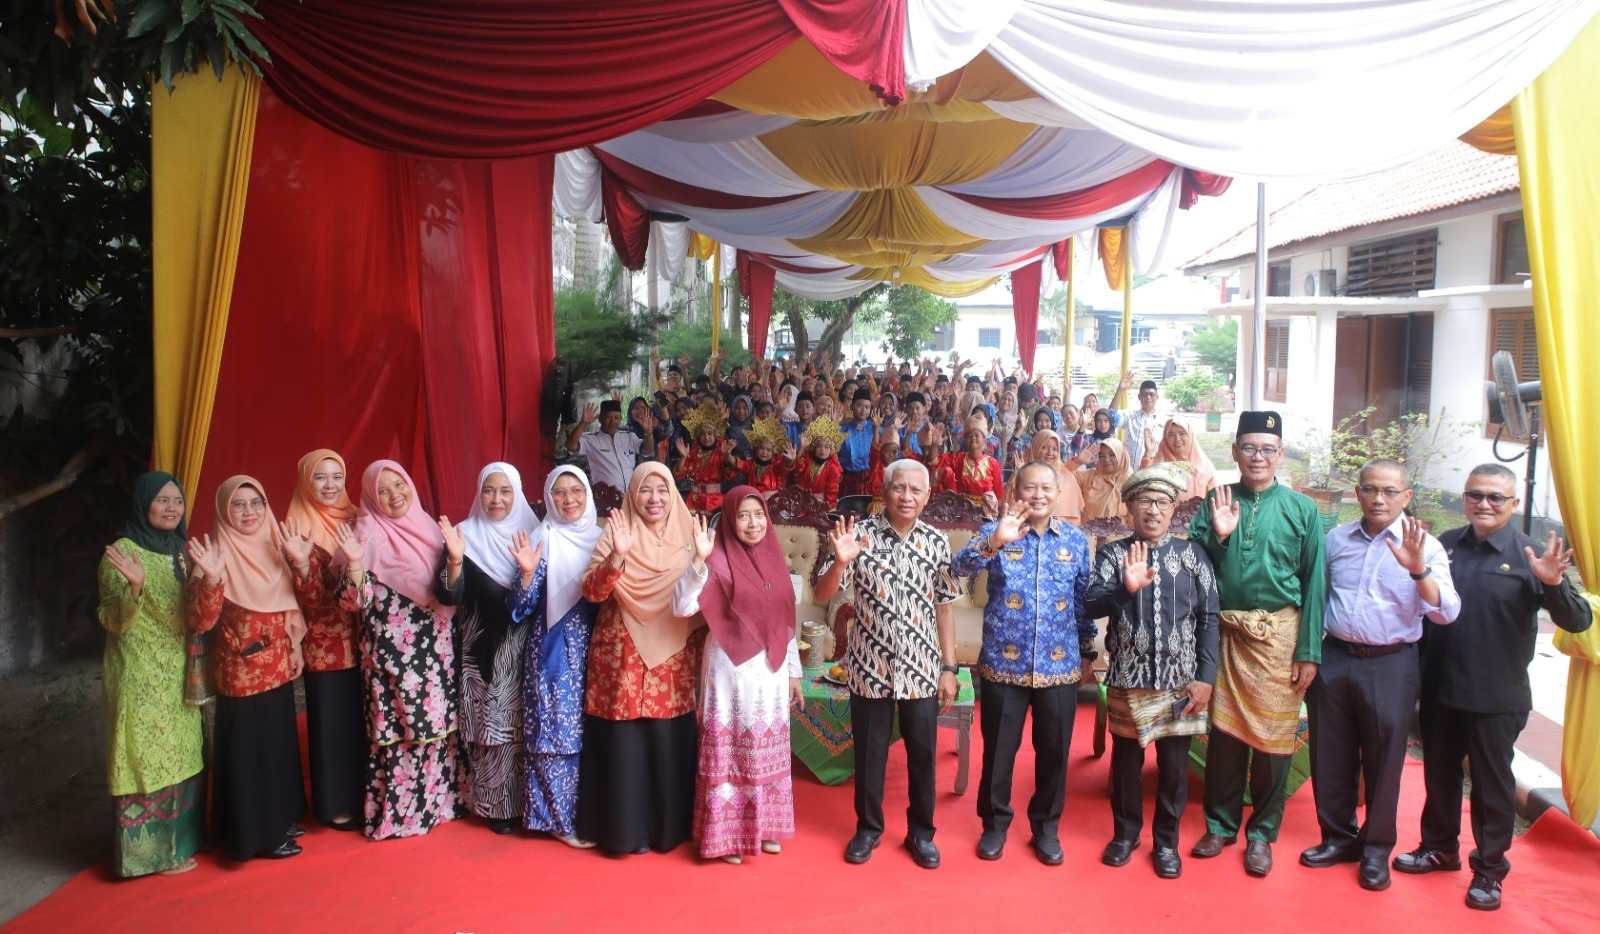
(408, 663)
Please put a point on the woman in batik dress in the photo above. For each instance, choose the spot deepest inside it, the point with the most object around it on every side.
(414, 779)
(744, 801)
(153, 738)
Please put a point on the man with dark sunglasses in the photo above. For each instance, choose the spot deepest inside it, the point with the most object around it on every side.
(1475, 692)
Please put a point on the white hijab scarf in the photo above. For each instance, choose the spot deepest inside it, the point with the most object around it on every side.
(786, 401)
(488, 540)
(567, 547)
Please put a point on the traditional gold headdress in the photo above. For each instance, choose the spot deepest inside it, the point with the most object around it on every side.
(767, 429)
(707, 414)
(823, 428)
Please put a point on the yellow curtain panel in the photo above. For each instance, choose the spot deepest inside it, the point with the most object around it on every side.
(1114, 255)
(1556, 138)
(201, 135)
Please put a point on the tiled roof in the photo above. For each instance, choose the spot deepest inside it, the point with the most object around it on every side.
(1456, 174)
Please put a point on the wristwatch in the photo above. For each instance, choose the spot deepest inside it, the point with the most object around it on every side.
(1423, 575)
(949, 669)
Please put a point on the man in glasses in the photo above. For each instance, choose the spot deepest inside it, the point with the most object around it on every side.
(1385, 576)
(1143, 425)
(1475, 692)
(1160, 599)
(1266, 542)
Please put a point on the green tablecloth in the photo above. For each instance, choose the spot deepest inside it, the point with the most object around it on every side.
(820, 732)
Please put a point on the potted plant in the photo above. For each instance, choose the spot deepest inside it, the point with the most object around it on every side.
(1329, 463)
(1214, 402)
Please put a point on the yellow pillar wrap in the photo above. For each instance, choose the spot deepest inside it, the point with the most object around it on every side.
(1120, 400)
(200, 140)
(716, 297)
(1557, 137)
(1072, 311)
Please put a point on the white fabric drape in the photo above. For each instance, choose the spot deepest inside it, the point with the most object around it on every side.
(820, 289)
(943, 35)
(1152, 224)
(739, 167)
(668, 248)
(577, 185)
(718, 128)
(1053, 161)
(993, 225)
(1285, 88)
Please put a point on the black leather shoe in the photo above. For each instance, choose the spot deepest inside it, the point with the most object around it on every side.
(296, 831)
(1211, 845)
(923, 852)
(1258, 857)
(860, 848)
(1118, 852)
(1426, 859)
(502, 827)
(992, 845)
(1484, 894)
(1169, 865)
(285, 850)
(1049, 851)
(1374, 875)
(1324, 855)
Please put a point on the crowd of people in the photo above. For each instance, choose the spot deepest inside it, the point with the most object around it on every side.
(626, 684)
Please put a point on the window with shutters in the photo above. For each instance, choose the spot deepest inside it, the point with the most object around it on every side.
(1511, 329)
(1278, 284)
(1511, 251)
(1401, 265)
(1276, 356)
(1419, 364)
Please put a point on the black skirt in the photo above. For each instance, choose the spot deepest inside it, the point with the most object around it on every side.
(636, 782)
(257, 786)
(336, 737)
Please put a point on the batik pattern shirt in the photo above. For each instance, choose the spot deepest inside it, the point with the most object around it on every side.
(897, 584)
(1035, 629)
(1164, 636)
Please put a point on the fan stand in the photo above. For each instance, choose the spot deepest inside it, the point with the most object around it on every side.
(1532, 453)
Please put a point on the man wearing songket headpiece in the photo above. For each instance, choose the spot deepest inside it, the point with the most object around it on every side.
(1159, 596)
(1266, 542)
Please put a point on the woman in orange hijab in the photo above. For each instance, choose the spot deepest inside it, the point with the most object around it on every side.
(636, 775)
(1179, 446)
(1102, 487)
(242, 588)
(336, 735)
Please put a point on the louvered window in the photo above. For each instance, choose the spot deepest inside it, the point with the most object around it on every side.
(1511, 329)
(1276, 355)
(1419, 368)
(1398, 266)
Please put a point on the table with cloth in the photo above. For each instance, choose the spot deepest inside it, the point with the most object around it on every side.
(820, 732)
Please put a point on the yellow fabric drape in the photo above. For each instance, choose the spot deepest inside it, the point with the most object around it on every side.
(1496, 134)
(1556, 138)
(927, 283)
(892, 227)
(701, 246)
(957, 111)
(871, 156)
(201, 137)
(1114, 255)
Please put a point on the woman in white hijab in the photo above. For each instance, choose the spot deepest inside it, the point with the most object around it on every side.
(549, 588)
(478, 575)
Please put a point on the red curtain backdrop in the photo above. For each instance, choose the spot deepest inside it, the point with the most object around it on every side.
(762, 281)
(626, 220)
(865, 39)
(1025, 309)
(1081, 203)
(385, 307)
(1062, 256)
(491, 79)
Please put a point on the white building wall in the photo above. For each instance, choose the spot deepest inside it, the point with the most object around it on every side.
(975, 318)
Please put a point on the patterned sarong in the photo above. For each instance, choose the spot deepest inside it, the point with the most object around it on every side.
(1146, 715)
(1254, 701)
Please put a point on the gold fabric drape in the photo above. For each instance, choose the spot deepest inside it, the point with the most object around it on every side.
(201, 136)
(873, 156)
(1556, 137)
(1496, 134)
(1114, 255)
(701, 246)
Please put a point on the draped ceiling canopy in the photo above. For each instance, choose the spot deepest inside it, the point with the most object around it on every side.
(935, 142)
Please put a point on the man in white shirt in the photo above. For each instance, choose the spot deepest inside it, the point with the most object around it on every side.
(612, 454)
(1142, 427)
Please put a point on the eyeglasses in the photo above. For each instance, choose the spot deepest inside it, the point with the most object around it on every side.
(1250, 450)
(253, 505)
(1386, 492)
(1494, 499)
(1151, 503)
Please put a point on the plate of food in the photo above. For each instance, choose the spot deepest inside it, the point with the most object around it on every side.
(833, 674)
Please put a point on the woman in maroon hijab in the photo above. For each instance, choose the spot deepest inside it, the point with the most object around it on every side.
(744, 803)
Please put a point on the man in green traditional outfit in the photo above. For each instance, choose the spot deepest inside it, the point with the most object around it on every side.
(1266, 542)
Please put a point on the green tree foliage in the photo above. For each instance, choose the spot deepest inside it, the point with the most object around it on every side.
(1187, 390)
(601, 334)
(693, 338)
(1216, 343)
(906, 317)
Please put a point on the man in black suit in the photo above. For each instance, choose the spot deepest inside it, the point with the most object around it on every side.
(1475, 692)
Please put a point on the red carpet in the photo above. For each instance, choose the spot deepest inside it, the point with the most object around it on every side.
(464, 878)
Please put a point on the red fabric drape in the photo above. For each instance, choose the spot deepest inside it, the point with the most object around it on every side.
(501, 78)
(1025, 310)
(762, 280)
(778, 262)
(662, 188)
(1080, 203)
(865, 39)
(383, 307)
(627, 221)
(1196, 183)
(1062, 254)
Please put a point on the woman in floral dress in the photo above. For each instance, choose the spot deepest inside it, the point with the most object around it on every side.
(392, 557)
(549, 589)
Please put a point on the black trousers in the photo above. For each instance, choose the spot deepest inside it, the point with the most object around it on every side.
(1489, 740)
(1127, 787)
(1001, 710)
(872, 722)
(1360, 713)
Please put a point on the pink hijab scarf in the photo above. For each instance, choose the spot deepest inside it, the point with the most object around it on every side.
(402, 552)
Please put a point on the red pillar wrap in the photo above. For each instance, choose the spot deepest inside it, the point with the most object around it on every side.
(1025, 308)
